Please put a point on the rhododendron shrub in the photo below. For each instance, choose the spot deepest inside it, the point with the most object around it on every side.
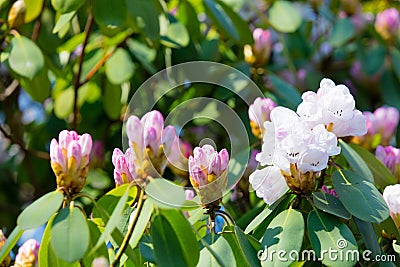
(199, 133)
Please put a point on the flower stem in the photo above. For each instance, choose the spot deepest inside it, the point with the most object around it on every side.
(128, 235)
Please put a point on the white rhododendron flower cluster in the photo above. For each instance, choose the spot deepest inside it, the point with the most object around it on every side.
(296, 146)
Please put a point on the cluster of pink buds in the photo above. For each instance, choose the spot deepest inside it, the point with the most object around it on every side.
(208, 173)
(259, 53)
(387, 23)
(381, 127)
(150, 145)
(332, 192)
(28, 254)
(390, 157)
(259, 112)
(70, 160)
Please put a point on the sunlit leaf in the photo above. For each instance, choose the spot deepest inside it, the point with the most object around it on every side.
(142, 223)
(342, 32)
(10, 242)
(284, 16)
(40, 211)
(330, 204)
(33, 8)
(119, 67)
(66, 6)
(165, 194)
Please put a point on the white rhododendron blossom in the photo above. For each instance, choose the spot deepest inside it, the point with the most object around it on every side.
(333, 106)
(297, 146)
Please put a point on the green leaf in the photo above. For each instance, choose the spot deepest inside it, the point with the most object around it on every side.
(70, 234)
(396, 247)
(110, 14)
(47, 256)
(359, 196)
(168, 250)
(229, 234)
(343, 31)
(143, 53)
(112, 100)
(40, 211)
(25, 57)
(285, 232)
(33, 8)
(119, 67)
(382, 176)
(94, 236)
(176, 36)
(141, 223)
(110, 200)
(356, 162)
(10, 242)
(184, 233)
(329, 233)
(228, 22)
(188, 16)
(288, 95)
(372, 60)
(63, 20)
(389, 227)
(261, 217)
(66, 6)
(64, 103)
(165, 194)
(390, 83)
(114, 218)
(395, 59)
(284, 16)
(330, 204)
(369, 236)
(145, 15)
(246, 247)
(39, 87)
(218, 253)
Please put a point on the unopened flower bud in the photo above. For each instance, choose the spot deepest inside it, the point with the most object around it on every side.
(390, 157)
(124, 168)
(391, 195)
(100, 262)
(387, 23)
(69, 158)
(258, 54)
(16, 16)
(27, 254)
(208, 173)
(332, 192)
(259, 112)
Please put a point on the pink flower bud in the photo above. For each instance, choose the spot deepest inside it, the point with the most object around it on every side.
(262, 45)
(224, 155)
(154, 119)
(124, 169)
(332, 192)
(28, 254)
(100, 262)
(259, 112)
(150, 138)
(386, 120)
(389, 156)
(198, 176)
(168, 139)
(69, 160)
(215, 165)
(134, 130)
(387, 23)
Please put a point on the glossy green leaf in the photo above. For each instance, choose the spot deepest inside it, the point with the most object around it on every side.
(391, 83)
(356, 162)
(219, 253)
(246, 247)
(63, 20)
(109, 201)
(165, 194)
(395, 59)
(359, 196)
(94, 236)
(143, 53)
(329, 233)
(368, 235)
(33, 8)
(176, 36)
(70, 234)
(112, 101)
(343, 31)
(142, 223)
(12, 239)
(114, 219)
(372, 60)
(382, 176)
(25, 57)
(228, 22)
(145, 15)
(285, 232)
(66, 6)
(47, 256)
(288, 95)
(119, 67)
(230, 236)
(330, 204)
(389, 227)
(168, 251)
(187, 15)
(40, 211)
(284, 16)
(110, 14)
(39, 87)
